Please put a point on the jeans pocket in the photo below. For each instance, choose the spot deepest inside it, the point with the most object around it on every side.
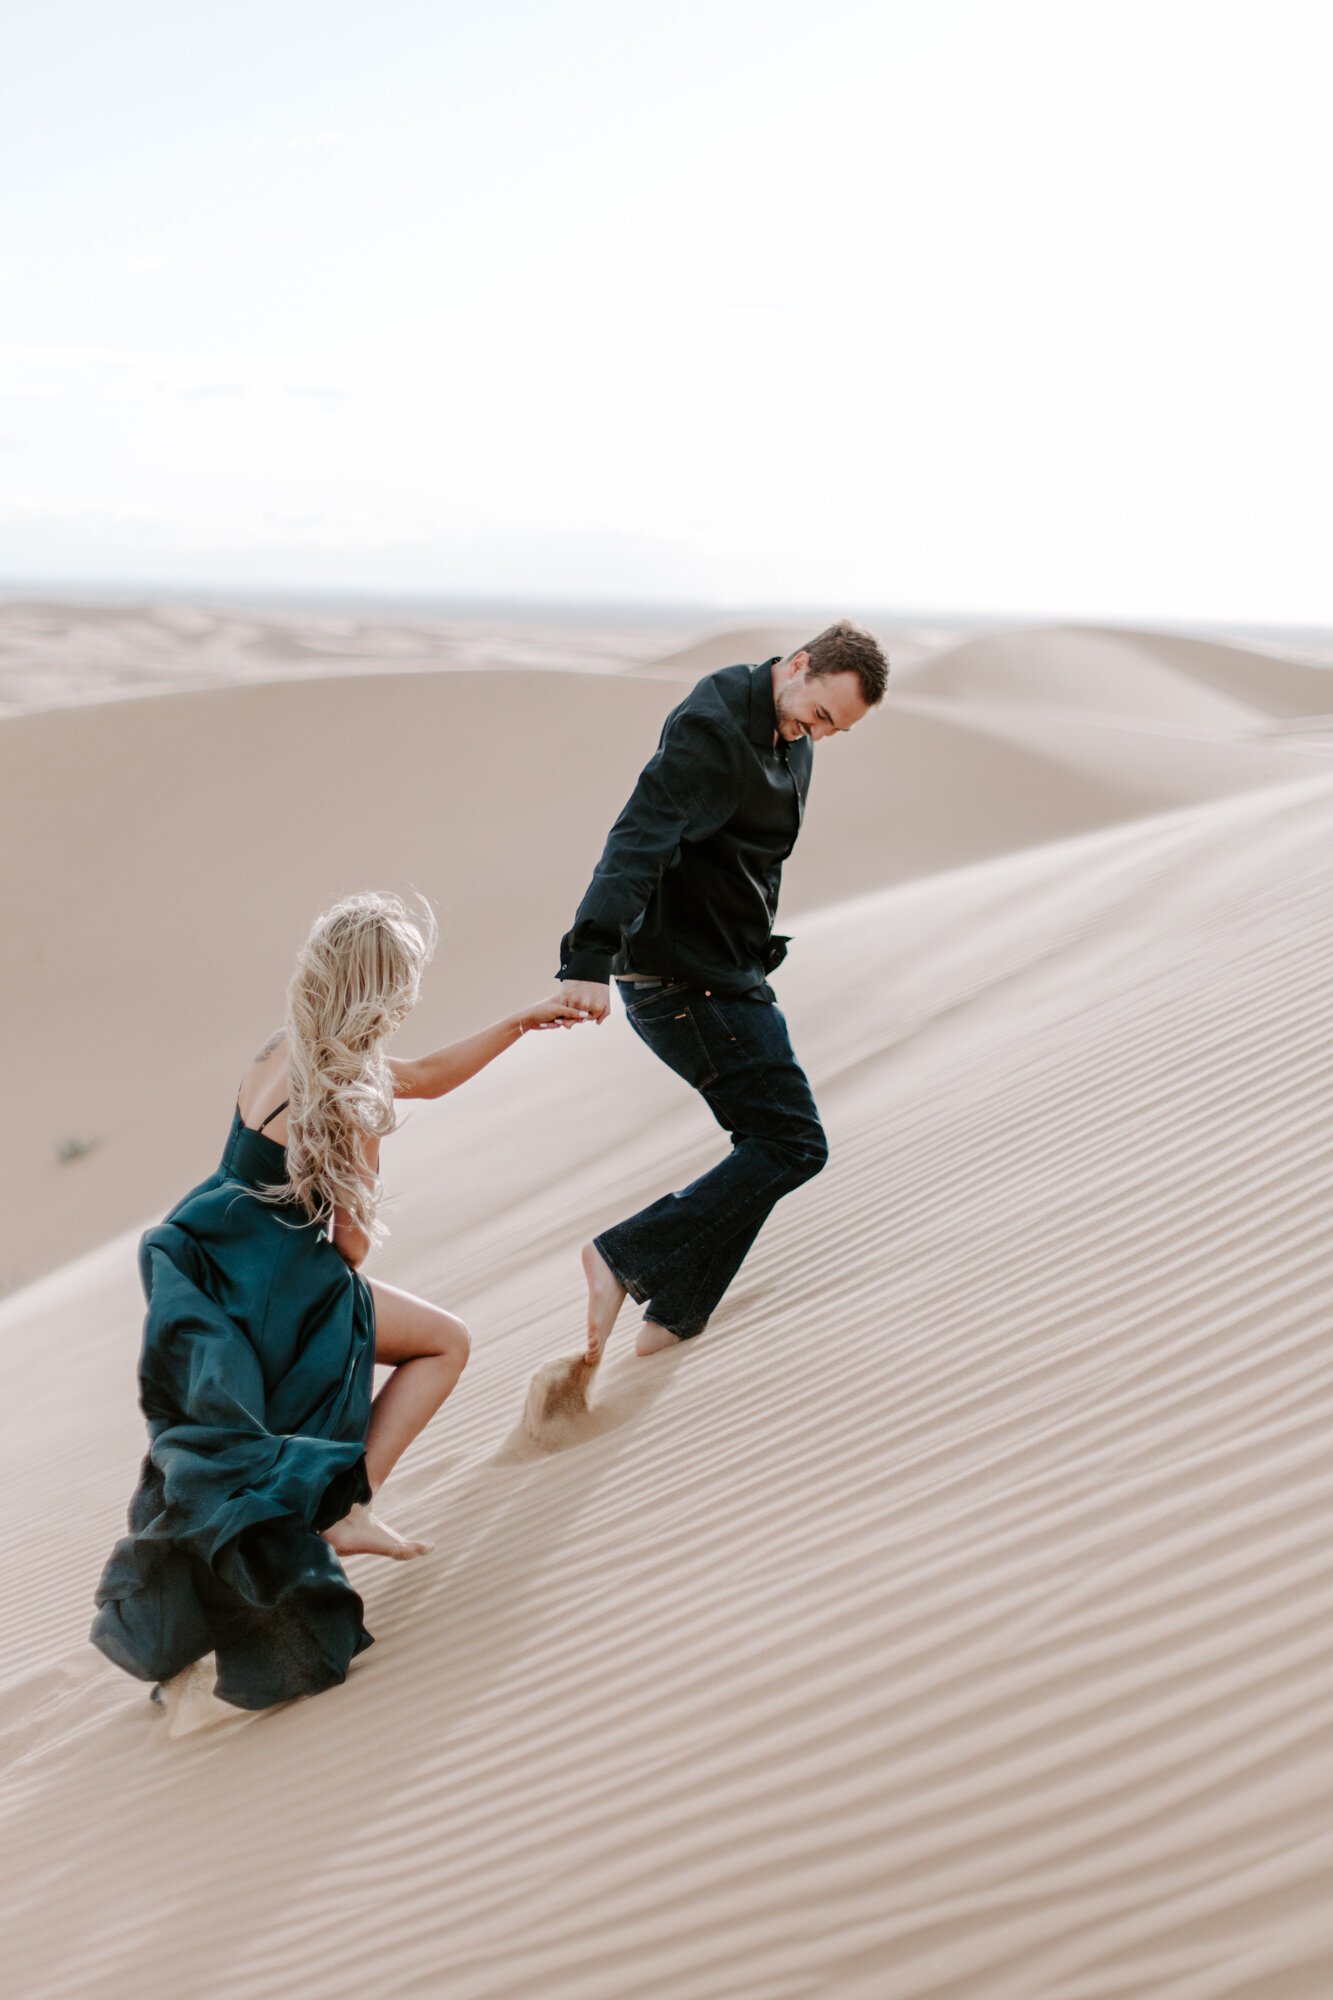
(672, 1033)
(640, 993)
(722, 1028)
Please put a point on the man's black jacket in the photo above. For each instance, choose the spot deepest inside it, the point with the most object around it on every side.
(687, 886)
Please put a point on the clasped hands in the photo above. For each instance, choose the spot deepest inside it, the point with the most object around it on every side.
(573, 1001)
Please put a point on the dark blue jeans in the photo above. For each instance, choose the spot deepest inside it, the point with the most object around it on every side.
(677, 1256)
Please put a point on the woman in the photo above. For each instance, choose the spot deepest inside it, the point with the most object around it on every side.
(265, 1448)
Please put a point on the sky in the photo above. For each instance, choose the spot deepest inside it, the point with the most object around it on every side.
(982, 306)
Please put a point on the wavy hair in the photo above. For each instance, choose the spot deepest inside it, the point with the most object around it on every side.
(356, 979)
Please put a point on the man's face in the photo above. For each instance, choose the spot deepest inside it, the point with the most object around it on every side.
(815, 708)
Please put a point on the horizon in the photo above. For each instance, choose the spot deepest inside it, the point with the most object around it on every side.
(520, 609)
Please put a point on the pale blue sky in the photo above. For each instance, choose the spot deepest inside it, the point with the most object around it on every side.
(1021, 306)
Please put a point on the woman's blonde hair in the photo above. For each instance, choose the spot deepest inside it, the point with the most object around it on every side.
(357, 978)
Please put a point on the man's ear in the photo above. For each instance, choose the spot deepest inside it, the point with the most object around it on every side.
(798, 664)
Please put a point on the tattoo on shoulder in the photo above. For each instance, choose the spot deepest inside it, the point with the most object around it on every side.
(272, 1043)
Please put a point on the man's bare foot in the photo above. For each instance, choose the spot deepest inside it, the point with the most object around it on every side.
(606, 1295)
(361, 1533)
(653, 1338)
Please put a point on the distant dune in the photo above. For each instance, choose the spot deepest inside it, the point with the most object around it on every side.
(907, 645)
(1179, 718)
(1278, 686)
(55, 653)
(723, 649)
(1146, 676)
(950, 1621)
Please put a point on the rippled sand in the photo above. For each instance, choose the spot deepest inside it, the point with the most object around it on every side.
(951, 1619)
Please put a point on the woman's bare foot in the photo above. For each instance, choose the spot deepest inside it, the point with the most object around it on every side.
(361, 1533)
(606, 1295)
(653, 1338)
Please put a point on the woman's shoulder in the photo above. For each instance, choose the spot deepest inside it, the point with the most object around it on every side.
(264, 1085)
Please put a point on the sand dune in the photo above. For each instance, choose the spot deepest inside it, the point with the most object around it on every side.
(169, 850)
(950, 1621)
(1144, 676)
(167, 853)
(1165, 762)
(1184, 719)
(908, 645)
(724, 648)
(1278, 684)
(1094, 672)
(55, 653)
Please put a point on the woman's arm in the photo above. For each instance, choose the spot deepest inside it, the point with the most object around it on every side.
(349, 1239)
(347, 1236)
(444, 1069)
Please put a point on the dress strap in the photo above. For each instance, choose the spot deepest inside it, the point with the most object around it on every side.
(273, 1114)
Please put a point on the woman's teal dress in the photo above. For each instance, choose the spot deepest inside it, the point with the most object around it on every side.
(255, 1378)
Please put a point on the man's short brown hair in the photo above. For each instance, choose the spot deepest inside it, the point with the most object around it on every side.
(845, 648)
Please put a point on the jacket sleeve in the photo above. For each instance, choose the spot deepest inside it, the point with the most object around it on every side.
(686, 791)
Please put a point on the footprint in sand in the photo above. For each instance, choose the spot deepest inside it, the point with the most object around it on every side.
(189, 1703)
(560, 1411)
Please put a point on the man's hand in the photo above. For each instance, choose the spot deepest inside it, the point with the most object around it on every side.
(553, 1013)
(591, 999)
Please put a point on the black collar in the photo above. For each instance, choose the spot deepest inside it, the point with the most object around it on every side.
(763, 715)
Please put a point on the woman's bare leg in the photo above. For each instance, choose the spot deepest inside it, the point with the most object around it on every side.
(427, 1350)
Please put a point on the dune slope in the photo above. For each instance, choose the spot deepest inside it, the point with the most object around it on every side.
(1152, 676)
(951, 1620)
(1180, 718)
(167, 855)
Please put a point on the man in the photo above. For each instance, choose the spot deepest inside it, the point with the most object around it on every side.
(680, 910)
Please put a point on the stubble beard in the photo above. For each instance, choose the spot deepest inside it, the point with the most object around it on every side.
(789, 728)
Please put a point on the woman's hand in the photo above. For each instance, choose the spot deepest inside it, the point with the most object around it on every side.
(445, 1069)
(555, 1012)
